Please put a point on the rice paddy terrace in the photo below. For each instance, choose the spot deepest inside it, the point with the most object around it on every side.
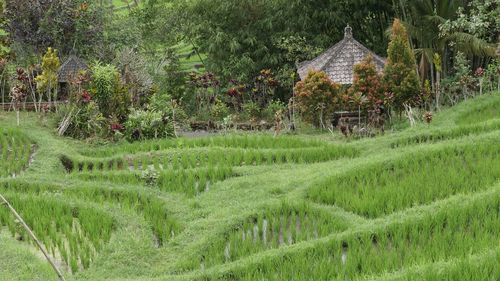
(421, 204)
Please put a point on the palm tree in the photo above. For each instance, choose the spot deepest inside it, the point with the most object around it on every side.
(423, 20)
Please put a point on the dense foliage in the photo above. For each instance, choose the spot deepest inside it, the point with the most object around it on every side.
(366, 90)
(224, 64)
(109, 92)
(71, 26)
(318, 97)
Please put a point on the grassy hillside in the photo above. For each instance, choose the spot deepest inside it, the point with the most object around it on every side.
(419, 204)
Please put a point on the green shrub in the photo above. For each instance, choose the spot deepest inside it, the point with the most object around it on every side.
(150, 176)
(219, 110)
(81, 120)
(272, 108)
(251, 110)
(110, 94)
(143, 124)
(169, 108)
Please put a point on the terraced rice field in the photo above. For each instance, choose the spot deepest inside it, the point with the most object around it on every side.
(420, 204)
(16, 150)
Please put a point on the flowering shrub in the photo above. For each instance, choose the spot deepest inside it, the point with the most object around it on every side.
(116, 127)
(235, 94)
(86, 98)
(317, 96)
(366, 91)
(264, 87)
(206, 87)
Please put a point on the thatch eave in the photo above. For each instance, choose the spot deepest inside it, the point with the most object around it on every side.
(339, 60)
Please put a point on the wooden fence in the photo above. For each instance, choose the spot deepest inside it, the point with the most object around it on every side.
(31, 106)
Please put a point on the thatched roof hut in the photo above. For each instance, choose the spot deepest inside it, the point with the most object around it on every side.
(338, 61)
(70, 68)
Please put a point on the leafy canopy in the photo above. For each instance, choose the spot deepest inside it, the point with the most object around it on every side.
(50, 68)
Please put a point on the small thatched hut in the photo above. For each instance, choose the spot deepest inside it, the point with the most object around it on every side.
(69, 70)
(338, 61)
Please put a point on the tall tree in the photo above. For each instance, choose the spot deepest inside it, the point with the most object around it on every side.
(47, 80)
(400, 76)
(4, 42)
(71, 26)
(424, 24)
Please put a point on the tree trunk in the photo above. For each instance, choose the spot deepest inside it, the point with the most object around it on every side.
(173, 121)
(3, 92)
(33, 92)
(55, 98)
(3, 82)
(359, 117)
(322, 125)
(49, 95)
(438, 89)
(433, 85)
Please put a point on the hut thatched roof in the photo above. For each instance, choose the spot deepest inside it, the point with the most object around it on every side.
(70, 68)
(338, 61)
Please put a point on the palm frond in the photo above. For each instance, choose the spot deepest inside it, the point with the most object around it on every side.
(470, 44)
(435, 19)
(448, 8)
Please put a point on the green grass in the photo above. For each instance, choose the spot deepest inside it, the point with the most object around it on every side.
(19, 261)
(15, 151)
(418, 178)
(482, 112)
(73, 233)
(421, 203)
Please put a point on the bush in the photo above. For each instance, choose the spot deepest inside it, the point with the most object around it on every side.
(367, 83)
(150, 176)
(272, 108)
(317, 97)
(142, 125)
(219, 110)
(169, 108)
(110, 94)
(492, 75)
(81, 120)
(251, 110)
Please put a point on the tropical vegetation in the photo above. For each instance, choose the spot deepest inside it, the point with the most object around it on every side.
(176, 140)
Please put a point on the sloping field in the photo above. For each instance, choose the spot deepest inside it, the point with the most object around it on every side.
(420, 204)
